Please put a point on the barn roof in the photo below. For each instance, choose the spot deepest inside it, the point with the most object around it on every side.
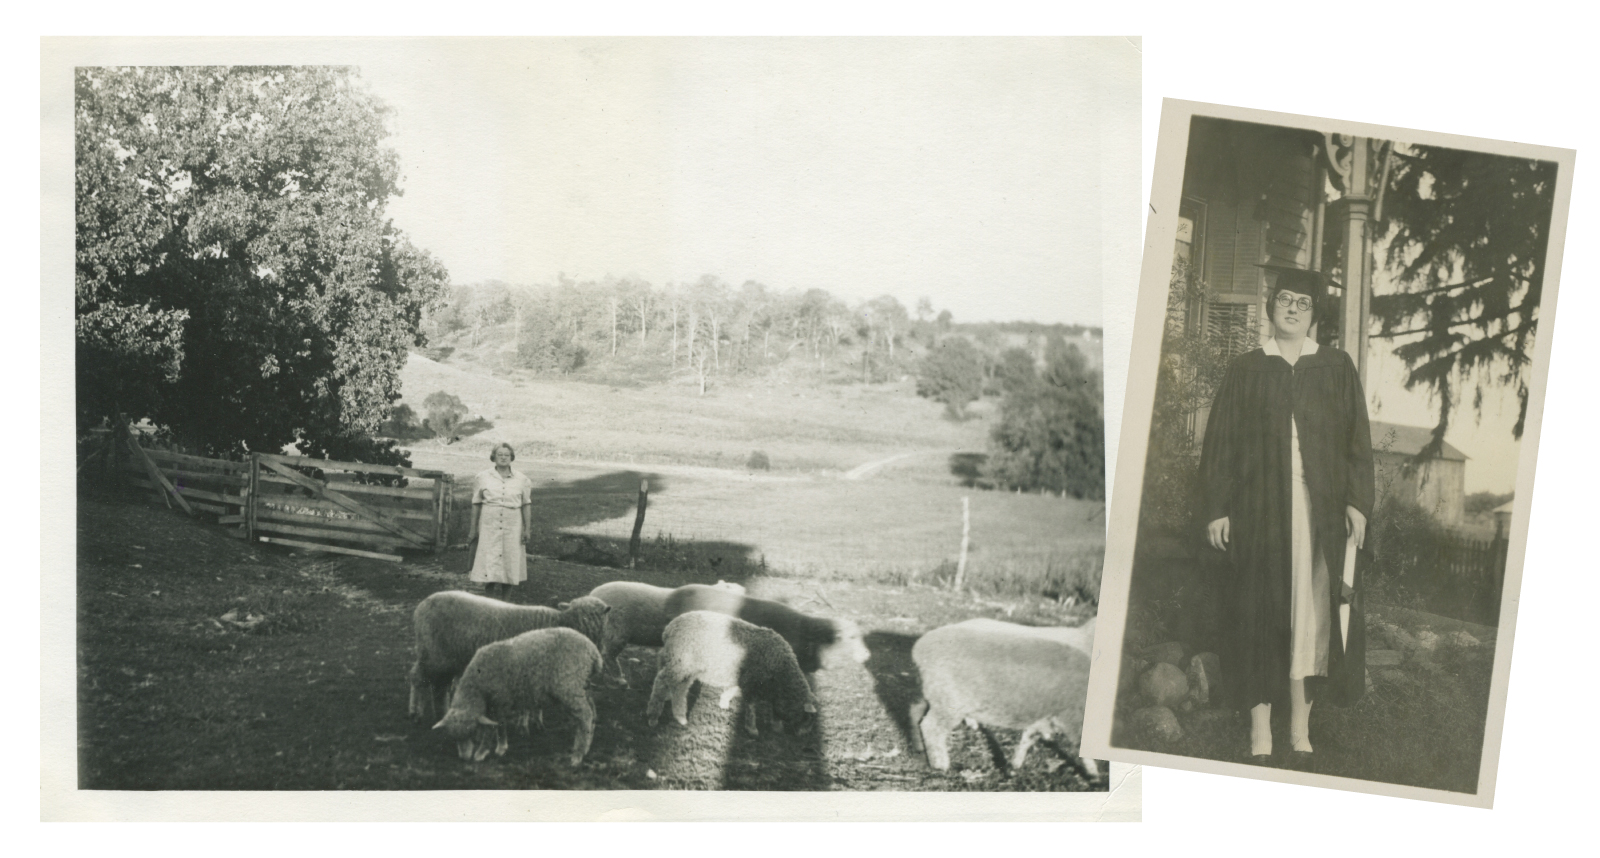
(1409, 440)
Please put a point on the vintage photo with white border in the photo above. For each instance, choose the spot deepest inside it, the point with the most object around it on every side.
(1327, 445)
(744, 393)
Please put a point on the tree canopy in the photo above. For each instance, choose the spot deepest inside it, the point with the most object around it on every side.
(1051, 433)
(953, 374)
(236, 278)
(1467, 244)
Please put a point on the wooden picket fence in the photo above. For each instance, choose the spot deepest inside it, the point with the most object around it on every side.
(343, 507)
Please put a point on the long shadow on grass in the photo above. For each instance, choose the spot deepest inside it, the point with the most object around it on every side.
(713, 751)
(776, 760)
(968, 467)
(894, 677)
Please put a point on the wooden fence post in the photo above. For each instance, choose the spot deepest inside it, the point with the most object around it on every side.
(966, 529)
(438, 515)
(638, 524)
(253, 500)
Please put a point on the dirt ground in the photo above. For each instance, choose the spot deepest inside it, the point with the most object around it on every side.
(206, 663)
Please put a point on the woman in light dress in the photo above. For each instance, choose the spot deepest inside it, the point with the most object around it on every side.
(502, 517)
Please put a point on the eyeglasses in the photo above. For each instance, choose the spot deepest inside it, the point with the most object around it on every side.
(1285, 300)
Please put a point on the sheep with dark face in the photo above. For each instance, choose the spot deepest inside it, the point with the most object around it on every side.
(740, 658)
(818, 642)
(452, 625)
(510, 678)
(638, 615)
(1001, 674)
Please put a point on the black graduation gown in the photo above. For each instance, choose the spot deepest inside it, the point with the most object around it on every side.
(1244, 475)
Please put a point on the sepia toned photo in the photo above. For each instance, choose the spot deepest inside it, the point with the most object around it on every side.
(1328, 440)
(585, 424)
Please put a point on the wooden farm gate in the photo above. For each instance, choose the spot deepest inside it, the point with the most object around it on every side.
(344, 507)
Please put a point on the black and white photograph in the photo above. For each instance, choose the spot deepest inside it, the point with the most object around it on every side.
(600, 416)
(1329, 434)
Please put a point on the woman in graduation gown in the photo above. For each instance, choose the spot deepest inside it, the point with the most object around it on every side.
(1286, 473)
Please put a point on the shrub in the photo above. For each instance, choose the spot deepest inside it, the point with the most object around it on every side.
(403, 424)
(1406, 542)
(758, 462)
(1192, 366)
(445, 411)
(953, 374)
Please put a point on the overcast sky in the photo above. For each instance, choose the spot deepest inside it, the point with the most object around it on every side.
(1484, 437)
(988, 175)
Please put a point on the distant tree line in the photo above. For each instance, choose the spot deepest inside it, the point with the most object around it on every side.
(708, 328)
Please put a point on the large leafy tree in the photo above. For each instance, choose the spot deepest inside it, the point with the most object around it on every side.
(1467, 245)
(1051, 433)
(237, 279)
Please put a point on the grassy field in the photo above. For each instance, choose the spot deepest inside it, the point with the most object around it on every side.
(801, 424)
(588, 446)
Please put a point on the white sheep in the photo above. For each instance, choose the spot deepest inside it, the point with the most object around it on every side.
(743, 659)
(818, 642)
(1079, 637)
(508, 679)
(638, 615)
(1000, 674)
(452, 625)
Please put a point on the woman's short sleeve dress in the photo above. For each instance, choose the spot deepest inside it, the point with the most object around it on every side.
(500, 558)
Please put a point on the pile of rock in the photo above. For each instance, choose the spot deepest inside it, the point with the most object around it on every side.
(1389, 646)
(1161, 681)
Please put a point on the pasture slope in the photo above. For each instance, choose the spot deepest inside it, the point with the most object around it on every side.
(866, 481)
(206, 663)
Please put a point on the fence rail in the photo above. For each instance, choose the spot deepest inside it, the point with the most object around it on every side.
(342, 507)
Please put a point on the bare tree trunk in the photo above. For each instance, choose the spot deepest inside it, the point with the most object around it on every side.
(694, 325)
(613, 326)
(644, 317)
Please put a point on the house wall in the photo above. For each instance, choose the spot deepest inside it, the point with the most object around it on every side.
(1438, 486)
(1254, 187)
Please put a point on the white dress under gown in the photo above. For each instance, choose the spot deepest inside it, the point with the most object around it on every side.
(500, 558)
(1308, 581)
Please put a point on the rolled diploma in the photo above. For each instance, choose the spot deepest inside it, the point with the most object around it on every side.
(1349, 581)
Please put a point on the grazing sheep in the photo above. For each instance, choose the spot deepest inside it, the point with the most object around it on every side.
(452, 625)
(740, 658)
(817, 642)
(1007, 677)
(510, 678)
(638, 615)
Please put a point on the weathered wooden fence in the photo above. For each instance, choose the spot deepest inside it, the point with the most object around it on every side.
(1455, 575)
(343, 507)
(1479, 567)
